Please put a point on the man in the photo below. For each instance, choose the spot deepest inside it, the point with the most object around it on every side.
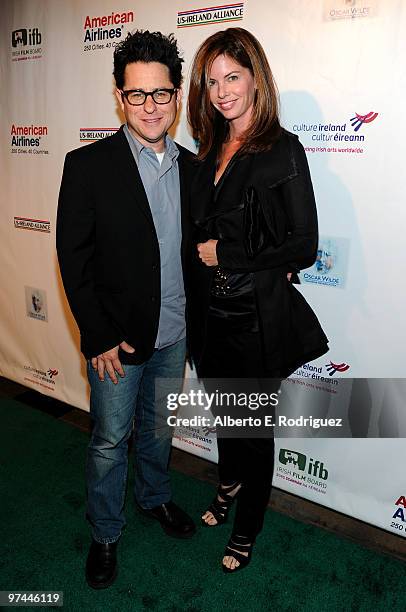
(122, 239)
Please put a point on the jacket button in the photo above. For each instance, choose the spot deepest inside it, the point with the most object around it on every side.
(154, 267)
(153, 298)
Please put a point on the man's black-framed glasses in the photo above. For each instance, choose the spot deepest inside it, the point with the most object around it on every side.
(136, 97)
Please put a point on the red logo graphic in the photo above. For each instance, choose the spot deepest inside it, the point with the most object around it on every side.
(332, 368)
(358, 120)
(52, 373)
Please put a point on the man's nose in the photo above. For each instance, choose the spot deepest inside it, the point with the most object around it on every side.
(149, 105)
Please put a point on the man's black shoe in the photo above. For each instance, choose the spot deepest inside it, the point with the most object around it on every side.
(174, 521)
(101, 565)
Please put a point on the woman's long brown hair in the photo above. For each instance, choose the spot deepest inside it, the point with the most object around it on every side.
(208, 125)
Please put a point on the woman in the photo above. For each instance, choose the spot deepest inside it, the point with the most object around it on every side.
(256, 225)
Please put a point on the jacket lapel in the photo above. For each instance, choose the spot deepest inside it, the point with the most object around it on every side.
(266, 169)
(187, 167)
(203, 188)
(124, 163)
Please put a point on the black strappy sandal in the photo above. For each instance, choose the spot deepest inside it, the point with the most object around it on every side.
(237, 545)
(220, 508)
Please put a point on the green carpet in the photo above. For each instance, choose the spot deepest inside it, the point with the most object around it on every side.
(44, 540)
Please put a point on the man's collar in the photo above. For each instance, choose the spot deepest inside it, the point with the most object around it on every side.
(170, 147)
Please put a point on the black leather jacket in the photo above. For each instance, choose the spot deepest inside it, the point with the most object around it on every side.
(265, 220)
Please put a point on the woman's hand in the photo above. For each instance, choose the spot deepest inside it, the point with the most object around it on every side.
(207, 252)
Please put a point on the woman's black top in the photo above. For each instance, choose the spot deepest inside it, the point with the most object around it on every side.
(232, 295)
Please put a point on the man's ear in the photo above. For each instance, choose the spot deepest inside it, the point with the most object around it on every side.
(120, 99)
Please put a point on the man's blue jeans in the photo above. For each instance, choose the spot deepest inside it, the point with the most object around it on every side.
(114, 409)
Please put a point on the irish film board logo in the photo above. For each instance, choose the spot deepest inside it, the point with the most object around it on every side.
(36, 303)
(213, 14)
(302, 470)
(26, 44)
(93, 134)
(36, 225)
(330, 267)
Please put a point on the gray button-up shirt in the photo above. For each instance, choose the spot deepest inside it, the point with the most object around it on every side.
(161, 184)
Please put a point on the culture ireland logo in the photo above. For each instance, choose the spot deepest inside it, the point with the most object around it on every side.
(332, 368)
(42, 378)
(359, 120)
(335, 136)
(321, 377)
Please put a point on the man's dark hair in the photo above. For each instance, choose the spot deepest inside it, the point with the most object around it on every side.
(145, 46)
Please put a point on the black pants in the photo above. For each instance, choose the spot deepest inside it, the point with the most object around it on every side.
(233, 354)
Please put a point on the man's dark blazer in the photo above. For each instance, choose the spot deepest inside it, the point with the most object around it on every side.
(108, 249)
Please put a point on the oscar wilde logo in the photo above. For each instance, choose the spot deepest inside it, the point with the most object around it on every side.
(36, 303)
(26, 44)
(332, 368)
(331, 265)
(325, 258)
(359, 120)
(213, 14)
(349, 9)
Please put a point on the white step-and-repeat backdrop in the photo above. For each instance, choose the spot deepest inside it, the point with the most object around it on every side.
(339, 66)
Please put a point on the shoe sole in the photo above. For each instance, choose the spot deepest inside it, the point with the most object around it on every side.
(103, 585)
